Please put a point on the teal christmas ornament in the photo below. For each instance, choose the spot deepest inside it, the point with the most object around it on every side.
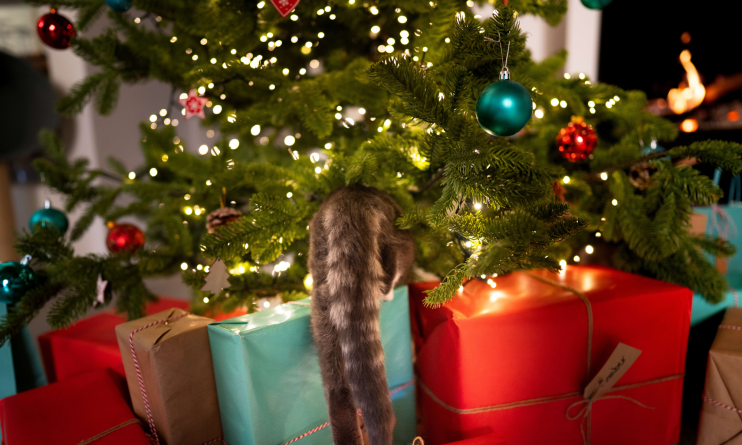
(504, 107)
(596, 4)
(119, 5)
(16, 278)
(50, 216)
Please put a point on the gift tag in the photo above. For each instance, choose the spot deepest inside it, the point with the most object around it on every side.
(284, 7)
(618, 363)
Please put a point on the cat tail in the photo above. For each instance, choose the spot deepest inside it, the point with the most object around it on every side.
(355, 281)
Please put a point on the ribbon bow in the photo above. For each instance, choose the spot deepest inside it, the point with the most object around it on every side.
(586, 410)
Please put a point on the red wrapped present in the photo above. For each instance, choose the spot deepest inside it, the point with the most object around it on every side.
(89, 408)
(90, 343)
(534, 358)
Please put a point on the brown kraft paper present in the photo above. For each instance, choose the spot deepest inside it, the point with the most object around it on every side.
(174, 360)
(721, 415)
(698, 223)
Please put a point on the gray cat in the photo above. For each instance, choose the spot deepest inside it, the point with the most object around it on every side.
(356, 257)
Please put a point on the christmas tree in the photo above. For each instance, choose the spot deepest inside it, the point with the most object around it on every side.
(377, 93)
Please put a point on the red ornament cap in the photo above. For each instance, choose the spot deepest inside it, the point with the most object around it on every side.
(576, 141)
(124, 238)
(55, 30)
(285, 7)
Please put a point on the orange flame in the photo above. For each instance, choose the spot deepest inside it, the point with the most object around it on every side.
(685, 98)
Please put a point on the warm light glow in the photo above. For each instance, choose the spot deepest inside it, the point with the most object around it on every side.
(689, 125)
(733, 116)
(132, 175)
(234, 143)
(478, 206)
(554, 102)
(614, 202)
(565, 180)
(539, 114)
(188, 210)
(461, 289)
(318, 170)
(308, 281)
(576, 258)
(604, 176)
(184, 266)
(688, 95)
(289, 195)
(203, 149)
(589, 249)
(153, 172)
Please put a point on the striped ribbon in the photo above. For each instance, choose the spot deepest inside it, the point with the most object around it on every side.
(714, 402)
(154, 438)
(326, 424)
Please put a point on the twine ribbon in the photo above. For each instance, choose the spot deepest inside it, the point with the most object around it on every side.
(109, 431)
(719, 404)
(154, 438)
(585, 412)
(326, 424)
(722, 223)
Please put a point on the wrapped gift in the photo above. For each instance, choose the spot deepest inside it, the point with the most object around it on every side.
(168, 367)
(89, 408)
(90, 343)
(723, 221)
(20, 366)
(268, 378)
(721, 415)
(530, 357)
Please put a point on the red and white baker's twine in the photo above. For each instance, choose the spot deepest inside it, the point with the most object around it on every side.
(150, 419)
(714, 402)
(736, 304)
(326, 424)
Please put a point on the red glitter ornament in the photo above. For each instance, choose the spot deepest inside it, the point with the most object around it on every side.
(124, 238)
(55, 30)
(577, 140)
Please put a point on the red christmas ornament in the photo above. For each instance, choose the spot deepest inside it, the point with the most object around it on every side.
(285, 7)
(124, 238)
(577, 140)
(194, 105)
(55, 30)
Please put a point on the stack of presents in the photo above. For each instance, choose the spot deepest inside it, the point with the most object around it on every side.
(588, 355)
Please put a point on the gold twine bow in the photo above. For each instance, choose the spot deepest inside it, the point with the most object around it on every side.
(586, 411)
(418, 438)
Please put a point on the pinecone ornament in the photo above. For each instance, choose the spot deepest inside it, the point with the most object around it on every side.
(640, 174)
(221, 217)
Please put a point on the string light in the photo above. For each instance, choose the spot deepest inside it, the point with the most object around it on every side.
(554, 102)
(565, 180)
(203, 149)
(614, 202)
(132, 175)
(217, 109)
(234, 143)
(153, 172)
(604, 176)
(289, 195)
(589, 249)
(184, 266)
(576, 258)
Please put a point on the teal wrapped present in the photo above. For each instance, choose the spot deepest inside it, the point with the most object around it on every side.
(20, 365)
(724, 221)
(268, 379)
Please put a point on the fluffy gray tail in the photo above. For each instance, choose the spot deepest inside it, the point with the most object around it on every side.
(354, 285)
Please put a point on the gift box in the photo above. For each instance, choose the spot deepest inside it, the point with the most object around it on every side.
(268, 378)
(168, 368)
(20, 366)
(721, 414)
(90, 343)
(723, 221)
(530, 358)
(89, 408)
